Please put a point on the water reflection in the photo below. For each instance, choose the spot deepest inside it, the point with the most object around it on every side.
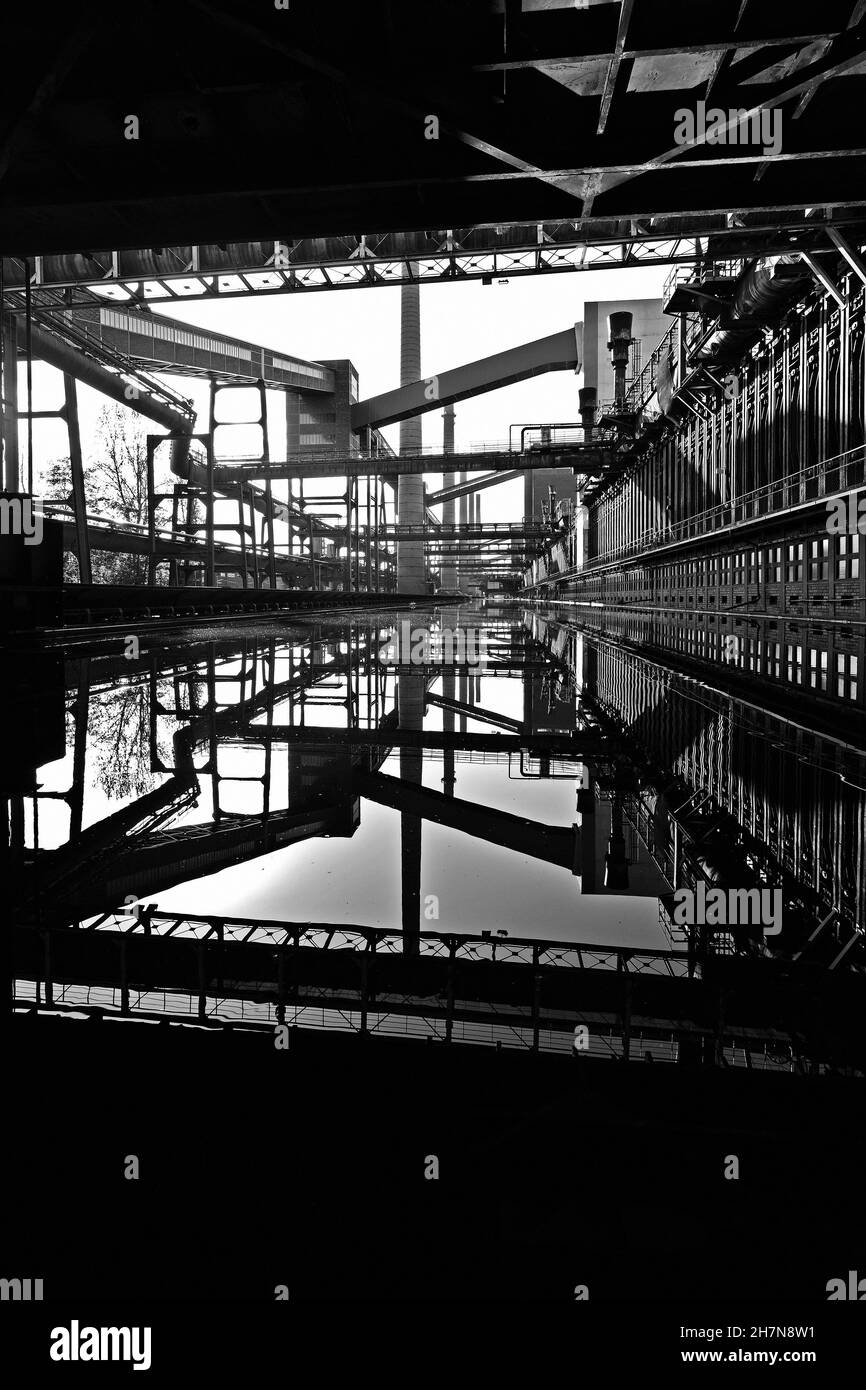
(334, 787)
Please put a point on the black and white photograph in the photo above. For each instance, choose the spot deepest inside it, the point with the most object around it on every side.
(433, 715)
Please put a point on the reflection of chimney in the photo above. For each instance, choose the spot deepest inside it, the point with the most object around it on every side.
(615, 861)
(620, 341)
(587, 398)
(410, 712)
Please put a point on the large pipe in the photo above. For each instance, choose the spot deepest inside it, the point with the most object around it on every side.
(765, 290)
(619, 342)
(558, 352)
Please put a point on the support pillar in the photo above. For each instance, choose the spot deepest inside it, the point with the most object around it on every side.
(448, 572)
(11, 479)
(79, 501)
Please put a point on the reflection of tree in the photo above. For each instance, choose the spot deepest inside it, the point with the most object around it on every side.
(119, 735)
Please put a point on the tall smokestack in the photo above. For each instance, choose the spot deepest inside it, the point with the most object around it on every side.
(448, 573)
(410, 580)
(410, 488)
(587, 397)
(619, 328)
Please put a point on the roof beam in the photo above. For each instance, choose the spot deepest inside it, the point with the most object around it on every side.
(557, 352)
(74, 46)
(854, 260)
(387, 97)
(450, 494)
(823, 278)
(710, 46)
(625, 11)
(846, 51)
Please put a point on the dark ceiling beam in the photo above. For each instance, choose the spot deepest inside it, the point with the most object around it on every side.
(71, 50)
(846, 51)
(625, 12)
(750, 66)
(720, 71)
(609, 175)
(856, 15)
(721, 46)
(387, 97)
(850, 254)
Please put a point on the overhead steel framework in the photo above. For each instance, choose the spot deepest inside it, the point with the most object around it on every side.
(398, 134)
(168, 964)
(466, 169)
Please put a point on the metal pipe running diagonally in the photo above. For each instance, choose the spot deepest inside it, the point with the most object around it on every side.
(54, 350)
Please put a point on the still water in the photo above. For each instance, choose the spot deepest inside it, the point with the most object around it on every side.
(513, 775)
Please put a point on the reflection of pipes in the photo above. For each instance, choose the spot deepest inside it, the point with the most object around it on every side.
(449, 778)
(410, 708)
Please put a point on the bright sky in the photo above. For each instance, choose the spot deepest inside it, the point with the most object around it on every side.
(459, 323)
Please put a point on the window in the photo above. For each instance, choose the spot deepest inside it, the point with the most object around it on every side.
(795, 563)
(817, 669)
(846, 676)
(774, 659)
(740, 567)
(318, 438)
(794, 664)
(819, 558)
(774, 564)
(847, 557)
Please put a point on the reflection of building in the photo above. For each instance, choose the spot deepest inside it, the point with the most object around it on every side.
(714, 788)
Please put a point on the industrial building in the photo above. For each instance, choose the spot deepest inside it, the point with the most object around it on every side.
(355, 820)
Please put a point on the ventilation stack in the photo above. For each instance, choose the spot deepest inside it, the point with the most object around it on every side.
(411, 573)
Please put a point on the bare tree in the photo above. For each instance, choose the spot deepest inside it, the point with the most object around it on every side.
(115, 486)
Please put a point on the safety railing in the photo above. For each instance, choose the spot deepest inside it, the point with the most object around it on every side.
(484, 946)
(828, 478)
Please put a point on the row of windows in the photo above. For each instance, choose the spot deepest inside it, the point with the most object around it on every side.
(318, 438)
(299, 368)
(796, 664)
(769, 564)
(152, 327)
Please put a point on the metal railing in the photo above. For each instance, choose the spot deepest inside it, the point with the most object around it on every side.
(830, 478)
(602, 1042)
(482, 946)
